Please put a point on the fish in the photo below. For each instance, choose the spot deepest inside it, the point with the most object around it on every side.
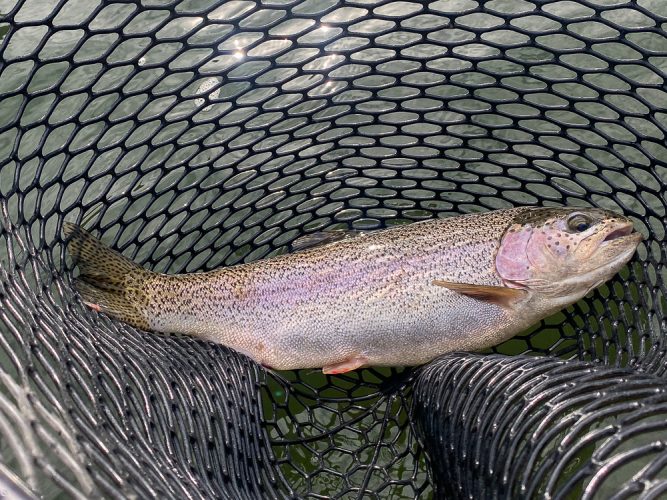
(400, 296)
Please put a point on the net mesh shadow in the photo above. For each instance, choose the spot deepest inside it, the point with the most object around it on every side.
(193, 134)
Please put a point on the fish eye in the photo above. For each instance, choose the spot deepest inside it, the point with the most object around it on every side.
(579, 223)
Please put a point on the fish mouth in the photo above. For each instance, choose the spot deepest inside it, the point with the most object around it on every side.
(614, 252)
(625, 231)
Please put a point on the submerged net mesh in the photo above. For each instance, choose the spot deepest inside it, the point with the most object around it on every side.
(193, 134)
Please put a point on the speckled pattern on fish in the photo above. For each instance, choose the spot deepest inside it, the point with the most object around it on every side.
(372, 299)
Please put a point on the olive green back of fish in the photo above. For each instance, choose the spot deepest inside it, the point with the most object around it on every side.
(107, 281)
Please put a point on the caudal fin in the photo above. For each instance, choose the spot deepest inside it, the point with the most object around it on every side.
(108, 282)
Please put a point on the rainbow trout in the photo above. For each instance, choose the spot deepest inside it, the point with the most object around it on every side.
(393, 297)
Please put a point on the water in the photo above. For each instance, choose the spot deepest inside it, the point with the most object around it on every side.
(314, 129)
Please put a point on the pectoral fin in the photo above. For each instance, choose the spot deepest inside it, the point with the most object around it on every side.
(499, 295)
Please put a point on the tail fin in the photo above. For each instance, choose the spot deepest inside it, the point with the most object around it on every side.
(108, 282)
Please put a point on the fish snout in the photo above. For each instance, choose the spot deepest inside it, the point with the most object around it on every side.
(622, 230)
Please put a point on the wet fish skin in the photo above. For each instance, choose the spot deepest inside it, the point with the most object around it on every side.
(377, 299)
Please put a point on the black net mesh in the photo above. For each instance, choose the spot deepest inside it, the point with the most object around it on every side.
(520, 427)
(192, 134)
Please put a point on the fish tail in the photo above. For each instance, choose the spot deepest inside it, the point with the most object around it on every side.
(108, 282)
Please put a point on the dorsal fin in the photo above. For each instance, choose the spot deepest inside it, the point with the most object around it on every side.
(320, 238)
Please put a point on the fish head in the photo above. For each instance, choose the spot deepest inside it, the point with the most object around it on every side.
(563, 253)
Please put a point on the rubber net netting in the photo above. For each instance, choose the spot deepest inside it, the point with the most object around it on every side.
(200, 133)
